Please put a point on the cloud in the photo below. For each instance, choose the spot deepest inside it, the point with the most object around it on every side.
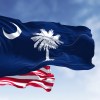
(4, 98)
(68, 73)
(89, 2)
(94, 23)
(83, 13)
(92, 80)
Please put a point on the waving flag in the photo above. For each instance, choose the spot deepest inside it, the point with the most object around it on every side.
(42, 78)
(26, 47)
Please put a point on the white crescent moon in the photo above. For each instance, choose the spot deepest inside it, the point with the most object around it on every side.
(13, 35)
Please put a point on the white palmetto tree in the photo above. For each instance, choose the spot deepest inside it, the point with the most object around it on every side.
(47, 41)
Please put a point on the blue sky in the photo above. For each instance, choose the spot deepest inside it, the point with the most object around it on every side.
(69, 84)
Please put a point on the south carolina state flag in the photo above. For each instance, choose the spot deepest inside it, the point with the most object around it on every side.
(26, 47)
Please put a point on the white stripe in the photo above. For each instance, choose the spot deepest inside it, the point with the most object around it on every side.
(26, 77)
(45, 70)
(17, 83)
(50, 80)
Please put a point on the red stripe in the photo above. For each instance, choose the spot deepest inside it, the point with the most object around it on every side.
(47, 67)
(25, 81)
(44, 72)
(39, 73)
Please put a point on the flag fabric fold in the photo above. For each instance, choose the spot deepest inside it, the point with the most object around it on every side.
(42, 78)
(26, 47)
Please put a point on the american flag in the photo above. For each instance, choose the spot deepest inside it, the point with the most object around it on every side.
(42, 78)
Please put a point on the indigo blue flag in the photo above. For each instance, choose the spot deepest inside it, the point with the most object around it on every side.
(26, 47)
